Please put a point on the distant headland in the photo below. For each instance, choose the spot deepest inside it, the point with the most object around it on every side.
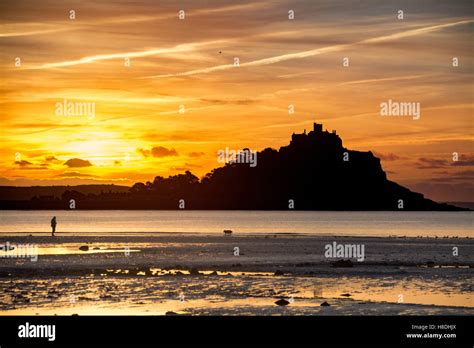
(314, 172)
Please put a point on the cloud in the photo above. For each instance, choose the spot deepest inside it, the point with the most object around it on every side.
(464, 161)
(158, 151)
(185, 167)
(387, 156)
(75, 175)
(247, 101)
(32, 32)
(431, 163)
(18, 29)
(151, 52)
(28, 165)
(77, 163)
(401, 78)
(466, 175)
(161, 151)
(317, 51)
(179, 169)
(196, 154)
(144, 152)
(50, 159)
(23, 163)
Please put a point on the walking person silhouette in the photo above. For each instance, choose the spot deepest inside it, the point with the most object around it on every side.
(53, 225)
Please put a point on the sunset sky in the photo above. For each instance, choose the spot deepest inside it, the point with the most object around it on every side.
(138, 132)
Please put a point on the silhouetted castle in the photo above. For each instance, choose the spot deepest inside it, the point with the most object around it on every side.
(316, 137)
(313, 172)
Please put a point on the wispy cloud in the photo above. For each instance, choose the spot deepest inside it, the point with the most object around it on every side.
(18, 29)
(34, 32)
(318, 51)
(400, 78)
(150, 52)
(77, 163)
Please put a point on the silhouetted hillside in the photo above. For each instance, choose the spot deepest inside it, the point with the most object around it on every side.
(466, 205)
(16, 193)
(314, 172)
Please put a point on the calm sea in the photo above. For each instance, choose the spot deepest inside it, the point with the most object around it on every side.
(317, 223)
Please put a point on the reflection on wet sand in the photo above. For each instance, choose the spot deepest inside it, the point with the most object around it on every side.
(157, 291)
(201, 275)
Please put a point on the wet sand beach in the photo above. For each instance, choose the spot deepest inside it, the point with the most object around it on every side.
(198, 274)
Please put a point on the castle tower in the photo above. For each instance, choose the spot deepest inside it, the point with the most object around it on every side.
(318, 128)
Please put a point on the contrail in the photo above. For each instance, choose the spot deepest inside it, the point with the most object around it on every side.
(128, 19)
(400, 78)
(152, 52)
(318, 51)
(34, 32)
(175, 49)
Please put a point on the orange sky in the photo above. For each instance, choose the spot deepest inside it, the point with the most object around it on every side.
(138, 132)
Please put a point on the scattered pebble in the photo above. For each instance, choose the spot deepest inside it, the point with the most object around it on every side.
(282, 302)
